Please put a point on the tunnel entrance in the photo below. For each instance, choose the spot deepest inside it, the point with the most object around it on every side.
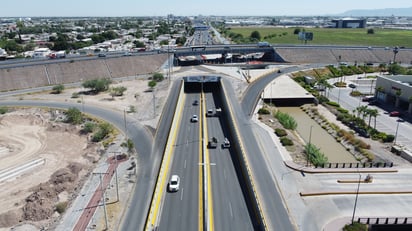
(194, 84)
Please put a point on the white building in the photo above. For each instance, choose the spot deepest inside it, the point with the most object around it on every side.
(41, 53)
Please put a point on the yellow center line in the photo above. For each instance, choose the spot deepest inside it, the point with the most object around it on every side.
(206, 164)
(201, 218)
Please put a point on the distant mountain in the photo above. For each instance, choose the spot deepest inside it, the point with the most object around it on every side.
(379, 12)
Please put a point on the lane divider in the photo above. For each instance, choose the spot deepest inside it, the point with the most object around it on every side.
(206, 169)
(151, 221)
(201, 149)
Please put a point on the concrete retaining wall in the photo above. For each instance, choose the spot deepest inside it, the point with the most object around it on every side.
(76, 71)
(241, 162)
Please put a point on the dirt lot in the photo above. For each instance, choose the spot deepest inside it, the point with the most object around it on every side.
(55, 167)
(29, 135)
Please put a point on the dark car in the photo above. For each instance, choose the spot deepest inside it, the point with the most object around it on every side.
(102, 55)
(352, 85)
(195, 103)
(373, 102)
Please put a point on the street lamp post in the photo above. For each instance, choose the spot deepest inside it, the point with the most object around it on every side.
(338, 94)
(395, 52)
(356, 198)
(396, 132)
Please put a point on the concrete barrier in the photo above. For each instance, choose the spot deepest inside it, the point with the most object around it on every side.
(9, 173)
(241, 158)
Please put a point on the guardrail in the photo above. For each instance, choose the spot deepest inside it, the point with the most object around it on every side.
(151, 220)
(9, 173)
(356, 165)
(385, 220)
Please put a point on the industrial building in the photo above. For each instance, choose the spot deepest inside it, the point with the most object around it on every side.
(349, 23)
(395, 90)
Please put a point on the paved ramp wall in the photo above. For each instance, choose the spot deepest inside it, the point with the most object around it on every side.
(331, 56)
(76, 71)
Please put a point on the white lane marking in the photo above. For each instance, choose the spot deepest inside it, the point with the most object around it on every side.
(230, 209)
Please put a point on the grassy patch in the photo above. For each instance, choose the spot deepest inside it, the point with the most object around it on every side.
(333, 36)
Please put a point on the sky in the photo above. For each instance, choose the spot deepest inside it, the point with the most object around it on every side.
(113, 8)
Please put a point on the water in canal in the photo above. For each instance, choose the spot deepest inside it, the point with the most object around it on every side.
(335, 152)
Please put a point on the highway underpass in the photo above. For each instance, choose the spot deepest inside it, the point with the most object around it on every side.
(215, 190)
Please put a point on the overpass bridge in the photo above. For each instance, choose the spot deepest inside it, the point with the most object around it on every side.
(225, 53)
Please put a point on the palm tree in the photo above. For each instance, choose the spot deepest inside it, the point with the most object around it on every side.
(362, 111)
(398, 93)
(373, 113)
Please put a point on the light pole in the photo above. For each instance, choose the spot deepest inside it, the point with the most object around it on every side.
(395, 52)
(338, 94)
(356, 198)
(396, 132)
(271, 86)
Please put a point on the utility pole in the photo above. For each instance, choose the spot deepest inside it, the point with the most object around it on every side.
(356, 198)
(154, 104)
(125, 124)
(117, 181)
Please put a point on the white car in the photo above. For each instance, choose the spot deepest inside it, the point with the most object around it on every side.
(226, 143)
(194, 119)
(174, 183)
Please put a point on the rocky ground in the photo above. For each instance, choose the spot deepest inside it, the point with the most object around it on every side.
(28, 135)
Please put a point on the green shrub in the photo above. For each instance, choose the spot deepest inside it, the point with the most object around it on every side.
(286, 142)
(57, 89)
(333, 104)
(104, 130)
(75, 95)
(389, 138)
(280, 132)
(61, 207)
(3, 110)
(342, 110)
(286, 120)
(315, 156)
(89, 127)
(264, 111)
(355, 227)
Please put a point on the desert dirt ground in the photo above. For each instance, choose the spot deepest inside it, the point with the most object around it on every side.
(30, 135)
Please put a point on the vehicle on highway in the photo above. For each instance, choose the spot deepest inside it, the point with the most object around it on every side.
(226, 143)
(127, 53)
(102, 55)
(209, 113)
(263, 44)
(194, 119)
(212, 142)
(394, 113)
(174, 183)
(195, 102)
